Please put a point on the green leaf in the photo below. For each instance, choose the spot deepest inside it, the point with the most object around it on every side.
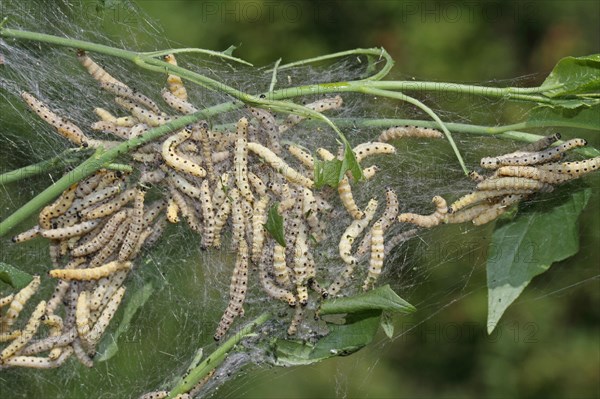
(387, 324)
(229, 51)
(327, 173)
(14, 277)
(382, 298)
(350, 163)
(109, 347)
(526, 247)
(275, 224)
(583, 118)
(574, 76)
(342, 340)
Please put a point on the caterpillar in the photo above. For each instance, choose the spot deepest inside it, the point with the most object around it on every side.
(300, 267)
(259, 218)
(296, 320)
(18, 302)
(96, 196)
(94, 273)
(178, 104)
(97, 72)
(61, 287)
(208, 214)
(220, 219)
(104, 115)
(240, 161)
(80, 354)
(26, 334)
(182, 184)
(237, 216)
(186, 209)
(6, 300)
(532, 158)
(321, 105)
(279, 165)
(466, 215)
(377, 254)
(325, 154)
(102, 255)
(309, 209)
(257, 184)
(113, 128)
(301, 155)
(110, 207)
(135, 227)
(427, 221)
(237, 291)
(82, 315)
(280, 268)
(10, 335)
(478, 196)
(105, 317)
(174, 82)
(177, 162)
(36, 362)
(513, 183)
(542, 143)
(155, 395)
(141, 114)
(27, 235)
(201, 134)
(353, 230)
(55, 324)
(48, 343)
(103, 237)
(400, 132)
(87, 186)
(67, 232)
(535, 173)
(496, 210)
(57, 208)
(574, 169)
(64, 127)
(363, 150)
(345, 192)
(123, 91)
(219, 193)
(369, 172)
(386, 220)
(272, 289)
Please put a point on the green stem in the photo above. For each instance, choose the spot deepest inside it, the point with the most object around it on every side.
(213, 360)
(274, 76)
(39, 168)
(377, 52)
(218, 54)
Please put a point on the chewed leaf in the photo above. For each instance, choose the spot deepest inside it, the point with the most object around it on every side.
(342, 340)
(522, 249)
(13, 276)
(382, 298)
(108, 347)
(574, 76)
(350, 163)
(275, 224)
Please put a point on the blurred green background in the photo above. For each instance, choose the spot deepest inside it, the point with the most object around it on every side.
(548, 343)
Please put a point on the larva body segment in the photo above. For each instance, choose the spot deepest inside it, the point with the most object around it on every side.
(267, 122)
(57, 208)
(478, 196)
(177, 162)
(178, 104)
(64, 127)
(82, 315)
(259, 218)
(325, 154)
(135, 228)
(35, 362)
(142, 114)
(345, 192)
(80, 354)
(155, 395)
(369, 172)
(220, 219)
(237, 291)
(105, 317)
(87, 186)
(320, 105)
(296, 320)
(128, 93)
(201, 134)
(531, 172)
(353, 231)
(26, 334)
(27, 235)
(495, 210)
(377, 254)
(110, 207)
(301, 155)
(466, 215)
(98, 195)
(237, 216)
(532, 158)
(257, 184)
(427, 221)
(174, 82)
(542, 143)
(45, 344)
(182, 184)
(271, 288)
(103, 237)
(18, 302)
(300, 267)
(6, 300)
(280, 269)
(400, 132)
(386, 220)
(104, 115)
(208, 215)
(363, 150)
(220, 191)
(96, 70)
(111, 127)
(280, 165)
(240, 161)
(573, 169)
(512, 183)
(94, 273)
(79, 229)
(106, 251)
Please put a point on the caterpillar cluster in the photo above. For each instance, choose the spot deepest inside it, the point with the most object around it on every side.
(517, 176)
